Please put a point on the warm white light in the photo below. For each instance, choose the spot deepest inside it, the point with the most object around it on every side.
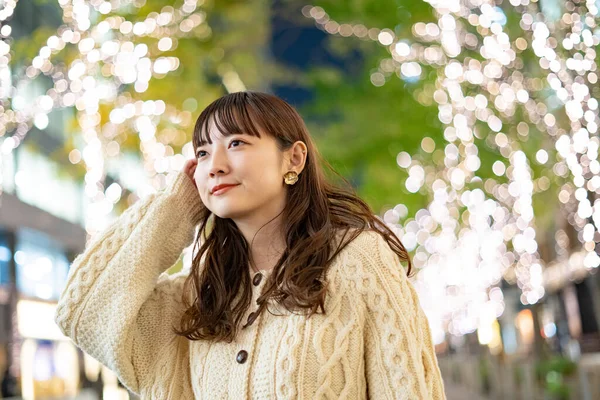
(541, 156)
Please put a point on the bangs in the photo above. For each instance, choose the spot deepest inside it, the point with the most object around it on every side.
(230, 115)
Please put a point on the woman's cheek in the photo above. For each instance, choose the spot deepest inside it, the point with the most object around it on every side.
(200, 184)
(197, 175)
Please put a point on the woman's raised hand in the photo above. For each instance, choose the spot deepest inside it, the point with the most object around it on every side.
(189, 168)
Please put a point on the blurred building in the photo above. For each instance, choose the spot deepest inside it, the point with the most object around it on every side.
(40, 230)
(42, 213)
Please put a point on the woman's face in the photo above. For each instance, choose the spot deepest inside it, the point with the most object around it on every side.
(253, 165)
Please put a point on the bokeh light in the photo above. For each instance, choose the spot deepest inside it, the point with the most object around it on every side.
(480, 226)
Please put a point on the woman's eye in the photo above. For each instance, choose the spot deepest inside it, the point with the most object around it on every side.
(200, 153)
(235, 141)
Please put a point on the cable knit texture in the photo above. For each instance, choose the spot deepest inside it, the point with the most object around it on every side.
(120, 305)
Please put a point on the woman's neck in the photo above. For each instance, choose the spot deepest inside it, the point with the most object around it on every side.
(265, 241)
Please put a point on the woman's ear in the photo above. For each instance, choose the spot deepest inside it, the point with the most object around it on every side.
(296, 157)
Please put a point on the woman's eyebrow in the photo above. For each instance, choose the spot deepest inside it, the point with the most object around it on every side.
(249, 135)
(203, 142)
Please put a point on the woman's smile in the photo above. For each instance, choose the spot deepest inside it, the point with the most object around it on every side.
(223, 189)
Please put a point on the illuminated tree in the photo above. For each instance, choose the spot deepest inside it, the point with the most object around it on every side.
(134, 74)
(490, 111)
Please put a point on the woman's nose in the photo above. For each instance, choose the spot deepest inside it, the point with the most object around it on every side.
(219, 164)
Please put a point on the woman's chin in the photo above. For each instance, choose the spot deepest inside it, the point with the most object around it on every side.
(227, 213)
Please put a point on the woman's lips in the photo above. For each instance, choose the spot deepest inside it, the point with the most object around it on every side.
(223, 190)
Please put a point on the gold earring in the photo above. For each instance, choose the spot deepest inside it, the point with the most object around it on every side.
(291, 177)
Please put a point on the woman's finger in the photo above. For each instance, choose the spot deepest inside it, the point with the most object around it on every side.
(189, 164)
(189, 168)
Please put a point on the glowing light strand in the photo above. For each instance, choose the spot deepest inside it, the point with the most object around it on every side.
(491, 231)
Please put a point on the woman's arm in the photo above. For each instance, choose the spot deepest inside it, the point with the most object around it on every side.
(400, 360)
(112, 306)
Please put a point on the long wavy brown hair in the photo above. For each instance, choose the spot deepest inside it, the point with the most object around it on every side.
(320, 218)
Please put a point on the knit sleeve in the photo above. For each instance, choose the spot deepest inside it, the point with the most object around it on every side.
(114, 306)
(400, 360)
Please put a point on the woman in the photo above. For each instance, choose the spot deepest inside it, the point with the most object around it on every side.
(296, 289)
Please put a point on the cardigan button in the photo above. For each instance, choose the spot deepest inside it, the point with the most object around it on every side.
(242, 356)
(257, 278)
(252, 317)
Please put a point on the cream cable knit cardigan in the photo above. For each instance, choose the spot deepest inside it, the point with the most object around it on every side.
(373, 342)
